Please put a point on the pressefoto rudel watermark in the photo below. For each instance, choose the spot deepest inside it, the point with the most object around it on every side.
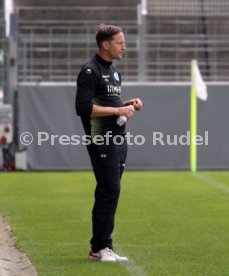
(158, 139)
(184, 139)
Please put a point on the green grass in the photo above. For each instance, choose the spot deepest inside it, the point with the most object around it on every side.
(168, 223)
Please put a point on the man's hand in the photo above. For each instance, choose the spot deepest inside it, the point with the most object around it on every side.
(137, 103)
(125, 111)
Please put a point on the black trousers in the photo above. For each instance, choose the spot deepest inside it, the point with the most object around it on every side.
(108, 162)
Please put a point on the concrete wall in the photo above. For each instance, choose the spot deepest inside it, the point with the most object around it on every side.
(50, 109)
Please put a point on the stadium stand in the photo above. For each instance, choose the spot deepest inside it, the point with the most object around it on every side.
(179, 31)
(56, 37)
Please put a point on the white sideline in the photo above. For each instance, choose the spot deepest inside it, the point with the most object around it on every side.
(213, 182)
(133, 268)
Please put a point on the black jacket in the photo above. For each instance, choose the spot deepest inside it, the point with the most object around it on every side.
(98, 82)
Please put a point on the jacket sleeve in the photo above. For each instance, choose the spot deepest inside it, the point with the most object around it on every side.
(86, 86)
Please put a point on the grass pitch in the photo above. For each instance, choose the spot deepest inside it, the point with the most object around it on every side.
(167, 223)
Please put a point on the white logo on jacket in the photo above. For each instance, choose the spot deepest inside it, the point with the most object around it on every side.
(116, 76)
(113, 90)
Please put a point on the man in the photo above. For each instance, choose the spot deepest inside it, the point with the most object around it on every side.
(99, 104)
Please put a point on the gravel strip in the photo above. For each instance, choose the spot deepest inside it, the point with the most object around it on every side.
(13, 262)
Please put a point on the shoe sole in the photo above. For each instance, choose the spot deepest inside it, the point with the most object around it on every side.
(95, 259)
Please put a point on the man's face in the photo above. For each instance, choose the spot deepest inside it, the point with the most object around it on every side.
(116, 47)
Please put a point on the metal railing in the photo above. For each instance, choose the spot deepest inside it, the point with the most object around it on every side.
(58, 53)
(54, 50)
(173, 42)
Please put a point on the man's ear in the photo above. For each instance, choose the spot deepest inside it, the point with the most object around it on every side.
(105, 45)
